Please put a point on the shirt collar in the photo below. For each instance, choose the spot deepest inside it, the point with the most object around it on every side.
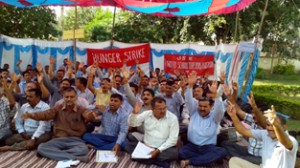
(75, 109)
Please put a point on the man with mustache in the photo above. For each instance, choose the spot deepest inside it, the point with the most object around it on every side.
(161, 132)
(30, 132)
(69, 126)
(113, 129)
(202, 130)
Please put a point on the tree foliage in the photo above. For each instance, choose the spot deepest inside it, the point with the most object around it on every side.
(28, 23)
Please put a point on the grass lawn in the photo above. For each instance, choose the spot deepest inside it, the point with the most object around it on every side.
(278, 79)
(266, 79)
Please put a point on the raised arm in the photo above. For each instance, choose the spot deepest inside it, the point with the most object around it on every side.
(45, 92)
(90, 80)
(258, 114)
(190, 101)
(9, 95)
(51, 68)
(18, 66)
(231, 111)
(278, 129)
(136, 118)
(14, 85)
(127, 91)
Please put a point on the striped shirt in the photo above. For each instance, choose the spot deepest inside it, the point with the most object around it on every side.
(30, 126)
(115, 124)
(4, 113)
(254, 146)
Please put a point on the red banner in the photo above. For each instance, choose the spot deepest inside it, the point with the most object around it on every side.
(114, 58)
(202, 64)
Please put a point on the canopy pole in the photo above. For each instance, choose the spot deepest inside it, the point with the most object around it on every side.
(113, 28)
(74, 31)
(256, 41)
(236, 26)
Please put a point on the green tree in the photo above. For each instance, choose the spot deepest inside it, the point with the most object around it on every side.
(28, 22)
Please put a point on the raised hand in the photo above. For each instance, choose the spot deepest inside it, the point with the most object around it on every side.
(93, 70)
(125, 75)
(222, 77)
(137, 107)
(227, 90)
(271, 115)
(154, 75)
(192, 79)
(251, 100)
(81, 65)
(15, 77)
(95, 65)
(19, 62)
(52, 60)
(231, 109)
(40, 77)
(39, 68)
(213, 87)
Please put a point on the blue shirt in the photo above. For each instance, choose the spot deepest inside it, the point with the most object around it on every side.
(115, 124)
(203, 130)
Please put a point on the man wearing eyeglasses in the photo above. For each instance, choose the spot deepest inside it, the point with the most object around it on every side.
(161, 132)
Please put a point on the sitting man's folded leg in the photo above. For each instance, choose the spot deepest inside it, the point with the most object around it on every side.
(66, 148)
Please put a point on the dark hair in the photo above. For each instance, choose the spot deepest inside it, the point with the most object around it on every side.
(70, 89)
(25, 72)
(4, 70)
(211, 101)
(157, 100)
(282, 119)
(60, 70)
(149, 90)
(170, 83)
(136, 88)
(37, 92)
(145, 76)
(118, 96)
(82, 80)
(118, 76)
(105, 79)
(163, 81)
(157, 69)
(65, 80)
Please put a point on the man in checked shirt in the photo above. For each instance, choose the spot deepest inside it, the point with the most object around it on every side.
(254, 151)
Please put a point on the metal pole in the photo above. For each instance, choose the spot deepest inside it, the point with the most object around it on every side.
(236, 26)
(74, 30)
(113, 28)
(256, 47)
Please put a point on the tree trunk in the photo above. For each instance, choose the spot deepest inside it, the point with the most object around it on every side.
(272, 60)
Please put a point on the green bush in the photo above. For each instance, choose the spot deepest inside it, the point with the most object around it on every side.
(283, 105)
(280, 90)
(284, 69)
(261, 73)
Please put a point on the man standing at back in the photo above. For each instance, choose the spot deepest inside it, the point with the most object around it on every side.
(69, 125)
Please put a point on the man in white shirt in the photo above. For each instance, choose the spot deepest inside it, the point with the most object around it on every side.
(279, 149)
(161, 132)
(30, 132)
